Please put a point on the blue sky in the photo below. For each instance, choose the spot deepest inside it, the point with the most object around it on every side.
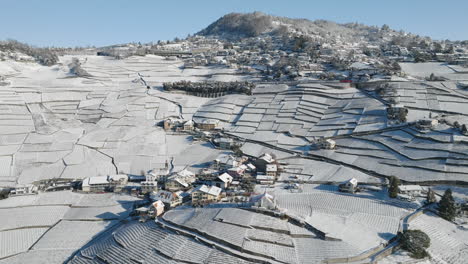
(100, 22)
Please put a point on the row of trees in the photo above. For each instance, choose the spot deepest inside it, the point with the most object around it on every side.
(44, 56)
(210, 87)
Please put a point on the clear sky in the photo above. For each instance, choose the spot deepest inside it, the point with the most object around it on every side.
(106, 22)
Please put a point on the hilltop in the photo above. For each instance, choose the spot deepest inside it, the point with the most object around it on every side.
(242, 25)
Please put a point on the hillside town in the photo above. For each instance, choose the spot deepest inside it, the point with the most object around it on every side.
(260, 139)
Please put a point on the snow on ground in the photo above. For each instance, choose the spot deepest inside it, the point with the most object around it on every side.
(57, 126)
(56, 222)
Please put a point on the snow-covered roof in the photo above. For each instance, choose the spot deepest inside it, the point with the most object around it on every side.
(263, 177)
(164, 196)
(352, 181)
(185, 173)
(95, 180)
(267, 157)
(409, 188)
(212, 190)
(271, 167)
(226, 178)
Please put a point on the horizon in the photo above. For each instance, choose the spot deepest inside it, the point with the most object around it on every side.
(62, 24)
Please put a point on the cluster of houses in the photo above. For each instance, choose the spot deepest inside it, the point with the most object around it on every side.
(228, 178)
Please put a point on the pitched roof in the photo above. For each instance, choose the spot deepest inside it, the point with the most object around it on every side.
(212, 190)
(226, 178)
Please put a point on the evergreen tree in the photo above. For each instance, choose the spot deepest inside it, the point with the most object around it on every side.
(447, 208)
(430, 196)
(415, 242)
(393, 189)
(464, 130)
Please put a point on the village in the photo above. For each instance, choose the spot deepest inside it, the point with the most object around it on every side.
(260, 139)
(232, 179)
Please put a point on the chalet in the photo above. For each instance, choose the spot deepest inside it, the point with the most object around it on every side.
(180, 181)
(105, 183)
(205, 194)
(224, 162)
(349, 186)
(265, 200)
(170, 199)
(149, 186)
(325, 143)
(271, 170)
(208, 124)
(171, 123)
(156, 209)
(236, 172)
(410, 190)
(223, 181)
(262, 178)
(189, 125)
(427, 124)
(262, 161)
(225, 143)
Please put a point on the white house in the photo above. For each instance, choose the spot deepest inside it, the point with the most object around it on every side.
(348, 186)
(271, 170)
(411, 190)
(223, 181)
(265, 200)
(104, 183)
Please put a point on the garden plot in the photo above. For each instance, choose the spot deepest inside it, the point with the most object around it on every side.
(373, 219)
(149, 243)
(31, 216)
(316, 113)
(20, 240)
(270, 236)
(430, 96)
(71, 234)
(39, 257)
(311, 250)
(99, 213)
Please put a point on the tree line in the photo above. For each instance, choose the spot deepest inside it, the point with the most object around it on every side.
(210, 87)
